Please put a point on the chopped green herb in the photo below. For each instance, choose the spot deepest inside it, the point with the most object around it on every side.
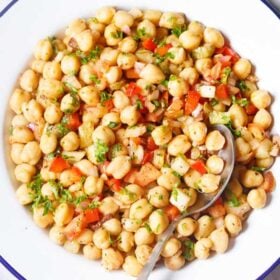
(147, 227)
(177, 31)
(93, 19)
(116, 148)
(233, 200)
(258, 169)
(94, 204)
(78, 200)
(175, 193)
(11, 130)
(159, 58)
(219, 117)
(243, 102)
(164, 83)
(117, 35)
(113, 124)
(105, 96)
(242, 86)
(141, 32)
(100, 151)
(125, 191)
(95, 79)
(235, 132)
(225, 75)
(62, 129)
(160, 197)
(72, 89)
(172, 78)
(176, 174)
(188, 252)
(170, 55)
(150, 128)
(66, 157)
(214, 102)
(139, 104)
(94, 54)
(157, 104)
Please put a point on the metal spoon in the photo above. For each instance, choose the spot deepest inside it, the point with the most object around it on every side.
(203, 202)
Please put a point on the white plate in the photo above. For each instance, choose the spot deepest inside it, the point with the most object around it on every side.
(254, 31)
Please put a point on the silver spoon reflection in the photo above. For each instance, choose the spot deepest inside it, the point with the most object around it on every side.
(203, 201)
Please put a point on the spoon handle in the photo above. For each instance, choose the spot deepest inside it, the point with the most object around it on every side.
(156, 252)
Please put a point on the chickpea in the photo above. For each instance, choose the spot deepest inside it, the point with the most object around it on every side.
(70, 142)
(178, 55)
(129, 194)
(269, 182)
(144, 236)
(16, 150)
(158, 221)
(187, 226)
(158, 197)
(56, 234)
(112, 120)
(52, 70)
(70, 65)
(32, 111)
(53, 114)
(178, 145)
(70, 103)
(85, 237)
(111, 259)
(171, 247)
(153, 16)
(105, 14)
(29, 80)
(202, 248)
(142, 253)
(91, 252)
(203, 65)
(261, 99)
(126, 60)
(190, 75)
(50, 88)
(132, 266)
(233, 224)
(128, 45)
(48, 190)
(122, 19)
(209, 183)
(170, 20)
(85, 40)
(129, 115)
(215, 164)
(205, 226)
(257, 198)
(109, 55)
(168, 180)
(152, 74)
(40, 219)
(242, 148)
(24, 172)
(190, 40)
(191, 178)
(48, 143)
(108, 206)
(38, 65)
(196, 27)
(119, 166)
(111, 34)
(17, 99)
(215, 141)
(180, 165)
(113, 226)
(103, 134)
(43, 50)
(126, 241)
(75, 27)
(263, 118)
(72, 246)
(131, 225)
(251, 179)
(120, 100)
(265, 162)
(63, 214)
(242, 68)
(93, 185)
(220, 239)
(238, 116)
(101, 238)
(31, 153)
(197, 132)
(24, 194)
(113, 75)
(86, 73)
(149, 27)
(140, 209)
(161, 135)
(214, 37)
(175, 262)
(177, 87)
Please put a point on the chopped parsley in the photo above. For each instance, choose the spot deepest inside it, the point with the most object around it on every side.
(94, 204)
(113, 124)
(243, 102)
(150, 128)
(257, 168)
(177, 31)
(11, 130)
(176, 174)
(105, 96)
(141, 32)
(100, 151)
(172, 78)
(170, 55)
(117, 35)
(225, 75)
(139, 104)
(72, 89)
(147, 227)
(94, 54)
(94, 79)
(131, 195)
(164, 83)
(159, 58)
(235, 132)
(62, 129)
(175, 193)
(79, 199)
(116, 148)
(233, 200)
(157, 104)
(214, 102)
(188, 252)
(242, 86)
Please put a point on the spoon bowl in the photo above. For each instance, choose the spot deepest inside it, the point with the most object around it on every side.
(204, 200)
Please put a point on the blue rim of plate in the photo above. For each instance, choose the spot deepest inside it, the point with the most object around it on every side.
(16, 274)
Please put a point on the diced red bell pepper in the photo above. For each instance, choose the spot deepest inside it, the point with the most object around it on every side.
(59, 164)
(172, 212)
(131, 74)
(76, 173)
(191, 102)
(222, 91)
(133, 90)
(149, 44)
(199, 166)
(163, 50)
(225, 50)
(109, 104)
(131, 176)
(251, 109)
(148, 156)
(92, 215)
(75, 227)
(73, 121)
(151, 145)
(114, 184)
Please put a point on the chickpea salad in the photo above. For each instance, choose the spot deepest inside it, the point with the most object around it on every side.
(111, 137)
